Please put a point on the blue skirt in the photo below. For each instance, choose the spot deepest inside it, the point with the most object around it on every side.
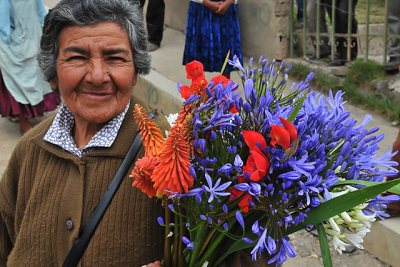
(209, 37)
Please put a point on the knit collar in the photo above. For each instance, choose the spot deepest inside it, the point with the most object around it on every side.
(60, 132)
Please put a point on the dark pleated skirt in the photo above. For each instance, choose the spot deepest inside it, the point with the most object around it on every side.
(10, 108)
(209, 37)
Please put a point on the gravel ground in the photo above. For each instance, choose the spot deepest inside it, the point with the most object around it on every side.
(309, 255)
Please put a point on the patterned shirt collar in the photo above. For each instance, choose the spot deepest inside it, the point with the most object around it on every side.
(60, 132)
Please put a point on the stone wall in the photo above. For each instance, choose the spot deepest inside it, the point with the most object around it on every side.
(264, 25)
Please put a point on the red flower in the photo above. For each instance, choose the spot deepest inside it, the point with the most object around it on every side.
(257, 165)
(220, 78)
(234, 110)
(194, 70)
(252, 138)
(186, 91)
(246, 200)
(144, 168)
(280, 136)
(283, 135)
(290, 128)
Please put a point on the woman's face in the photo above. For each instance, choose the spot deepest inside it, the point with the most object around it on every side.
(95, 71)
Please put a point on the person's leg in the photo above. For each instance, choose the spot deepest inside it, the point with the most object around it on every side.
(24, 124)
(155, 21)
(341, 22)
(394, 29)
(299, 10)
(311, 10)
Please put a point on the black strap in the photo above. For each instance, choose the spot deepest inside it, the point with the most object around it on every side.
(86, 233)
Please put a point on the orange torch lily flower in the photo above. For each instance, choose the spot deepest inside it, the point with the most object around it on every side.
(151, 134)
(142, 172)
(172, 174)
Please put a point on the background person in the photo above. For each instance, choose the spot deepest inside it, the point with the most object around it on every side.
(154, 22)
(394, 43)
(23, 91)
(311, 9)
(212, 29)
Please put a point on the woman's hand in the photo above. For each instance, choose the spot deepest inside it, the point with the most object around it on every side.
(224, 6)
(154, 264)
(212, 6)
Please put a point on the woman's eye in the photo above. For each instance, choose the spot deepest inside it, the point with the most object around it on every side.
(77, 58)
(116, 59)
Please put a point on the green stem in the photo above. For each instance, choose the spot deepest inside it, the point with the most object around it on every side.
(176, 241)
(167, 243)
(211, 249)
(181, 233)
(200, 235)
(205, 244)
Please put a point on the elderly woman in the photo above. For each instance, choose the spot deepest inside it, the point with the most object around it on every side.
(92, 52)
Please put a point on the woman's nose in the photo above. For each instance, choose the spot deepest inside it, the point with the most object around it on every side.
(97, 72)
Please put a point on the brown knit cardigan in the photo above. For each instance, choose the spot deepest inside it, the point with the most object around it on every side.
(46, 195)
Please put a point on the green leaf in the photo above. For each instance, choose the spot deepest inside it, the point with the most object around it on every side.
(395, 189)
(342, 203)
(236, 246)
(226, 61)
(323, 244)
(296, 109)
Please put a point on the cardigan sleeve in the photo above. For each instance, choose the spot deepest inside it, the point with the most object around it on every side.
(8, 196)
(5, 242)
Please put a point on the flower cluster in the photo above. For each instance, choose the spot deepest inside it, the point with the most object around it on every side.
(244, 172)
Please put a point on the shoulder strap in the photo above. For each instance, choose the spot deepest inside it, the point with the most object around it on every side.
(86, 233)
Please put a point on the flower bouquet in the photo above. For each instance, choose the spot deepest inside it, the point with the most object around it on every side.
(241, 173)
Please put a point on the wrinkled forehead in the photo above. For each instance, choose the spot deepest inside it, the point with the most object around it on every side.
(105, 33)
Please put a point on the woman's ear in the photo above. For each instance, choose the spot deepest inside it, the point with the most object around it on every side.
(134, 79)
(54, 83)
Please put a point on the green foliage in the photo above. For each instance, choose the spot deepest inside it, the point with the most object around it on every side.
(342, 203)
(376, 12)
(324, 245)
(357, 85)
(320, 81)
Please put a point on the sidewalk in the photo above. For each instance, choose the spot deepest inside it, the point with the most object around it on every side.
(160, 90)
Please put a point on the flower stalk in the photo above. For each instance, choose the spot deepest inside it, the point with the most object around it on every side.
(167, 242)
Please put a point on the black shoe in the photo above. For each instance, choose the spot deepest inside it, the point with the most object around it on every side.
(337, 63)
(392, 65)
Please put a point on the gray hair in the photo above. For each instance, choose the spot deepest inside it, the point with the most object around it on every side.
(90, 12)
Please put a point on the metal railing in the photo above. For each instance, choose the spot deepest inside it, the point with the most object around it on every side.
(333, 35)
